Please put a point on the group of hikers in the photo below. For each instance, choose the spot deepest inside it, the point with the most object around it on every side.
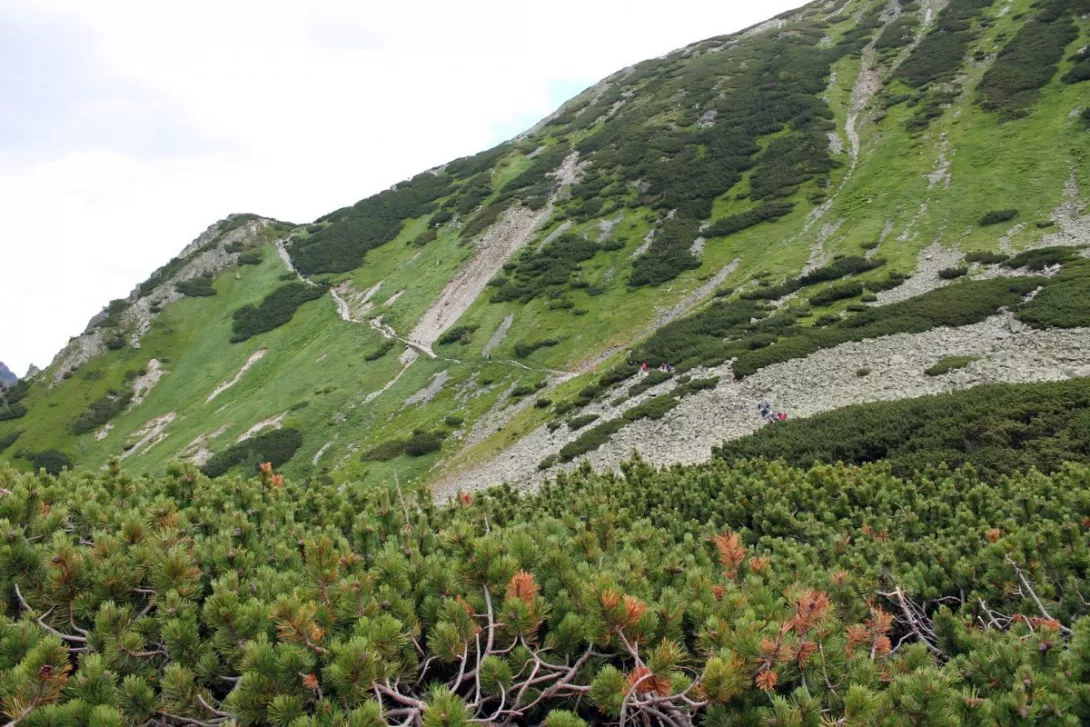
(763, 407)
(765, 410)
(665, 368)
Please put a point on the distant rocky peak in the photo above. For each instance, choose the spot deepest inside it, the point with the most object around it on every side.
(7, 377)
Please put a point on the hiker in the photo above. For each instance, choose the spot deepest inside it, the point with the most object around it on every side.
(783, 416)
(644, 368)
(663, 368)
(765, 410)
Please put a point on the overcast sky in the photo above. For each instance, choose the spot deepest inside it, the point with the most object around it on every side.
(127, 126)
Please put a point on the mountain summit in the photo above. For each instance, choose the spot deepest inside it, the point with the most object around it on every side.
(857, 201)
(7, 376)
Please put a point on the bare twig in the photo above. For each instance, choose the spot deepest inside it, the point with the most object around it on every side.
(196, 722)
(916, 620)
(1033, 594)
(213, 710)
(628, 696)
(401, 497)
(44, 625)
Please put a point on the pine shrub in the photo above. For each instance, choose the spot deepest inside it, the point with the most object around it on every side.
(275, 310)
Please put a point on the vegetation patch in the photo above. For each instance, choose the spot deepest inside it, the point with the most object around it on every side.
(276, 447)
(695, 567)
(591, 439)
(950, 363)
(102, 411)
(581, 421)
(684, 167)
(985, 257)
(693, 386)
(1000, 429)
(764, 212)
(525, 348)
(11, 397)
(653, 378)
(458, 334)
(547, 271)
(275, 310)
(53, 461)
(419, 444)
(6, 440)
(655, 408)
(199, 287)
(953, 273)
(996, 217)
(1030, 59)
(1041, 258)
(383, 348)
(668, 255)
(1063, 303)
(836, 292)
(1080, 70)
(940, 54)
(351, 232)
(839, 268)
(956, 305)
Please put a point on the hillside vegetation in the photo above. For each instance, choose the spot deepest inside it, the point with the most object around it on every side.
(749, 594)
(265, 487)
(847, 172)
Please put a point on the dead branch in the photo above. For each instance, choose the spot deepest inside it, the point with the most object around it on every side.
(916, 620)
(1033, 595)
(41, 622)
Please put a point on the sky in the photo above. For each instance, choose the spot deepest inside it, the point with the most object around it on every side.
(128, 127)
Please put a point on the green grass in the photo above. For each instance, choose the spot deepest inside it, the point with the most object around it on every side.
(316, 369)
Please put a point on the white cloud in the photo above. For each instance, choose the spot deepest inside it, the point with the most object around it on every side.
(127, 127)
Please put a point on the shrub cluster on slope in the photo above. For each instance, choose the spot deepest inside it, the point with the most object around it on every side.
(999, 429)
(939, 55)
(199, 287)
(53, 461)
(744, 594)
(352, 231)
(954, 305)
(1030, 59)
(277, 308)
(11, 397)
(685, 167)
(102, 411)
(6, 440)
(419, 444)
(275, 447)
(546, 272)
(764, 212)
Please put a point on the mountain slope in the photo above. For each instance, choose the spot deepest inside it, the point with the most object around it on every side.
(730, 201)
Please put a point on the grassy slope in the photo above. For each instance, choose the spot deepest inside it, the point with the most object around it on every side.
(1022, 164)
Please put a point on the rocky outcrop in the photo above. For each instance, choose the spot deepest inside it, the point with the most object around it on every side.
(209, 256)
(79, 351)
(7, 376)
(496, 246)
(254, 358)
(142, 385)
(1008, 353)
